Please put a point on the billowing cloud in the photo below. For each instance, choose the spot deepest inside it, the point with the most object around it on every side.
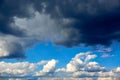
(14, 46)
(16, 69)
(48, 69)
(117, 70)
(94, 22)
(65, 23)
(11, 47)
(76, 68)
(81, 62)
(22, 69)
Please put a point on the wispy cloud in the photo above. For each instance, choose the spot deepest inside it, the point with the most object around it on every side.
(105, 55)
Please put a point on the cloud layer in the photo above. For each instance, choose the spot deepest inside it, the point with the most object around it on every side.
(81, 66)
(22, 69)
(16, 69)
(66, 23)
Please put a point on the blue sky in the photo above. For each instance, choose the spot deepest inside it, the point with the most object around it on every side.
(48, 50)
(54, 38)
(62, 56)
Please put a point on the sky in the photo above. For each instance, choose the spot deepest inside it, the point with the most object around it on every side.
(68, 38)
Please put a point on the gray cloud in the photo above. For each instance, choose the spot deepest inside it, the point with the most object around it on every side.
(67, 23)
(95, 22)
(10, 47)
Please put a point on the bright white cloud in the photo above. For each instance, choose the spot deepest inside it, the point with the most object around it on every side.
(48, 68)
(94, 67)
(89, 57)
(79, 66)
(82, 66)
(25, 68)
(43, 62)
(116, 69)
(16, 69)
(74, 64)
(80, 63)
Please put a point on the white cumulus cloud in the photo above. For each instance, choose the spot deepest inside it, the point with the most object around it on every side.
(16, 69)
(48, 69)
(79, 66)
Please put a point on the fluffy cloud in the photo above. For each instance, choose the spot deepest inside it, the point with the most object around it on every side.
(81, 62)
(16, 69)
(25, 68)
(48, 69)
(94, 67)
(75, 63)
(81, 66)
(92, 75)
(117, 70)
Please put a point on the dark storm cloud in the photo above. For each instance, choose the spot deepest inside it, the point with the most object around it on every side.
(82, 21)
(96, 21)
(9, 9)
(101, 29)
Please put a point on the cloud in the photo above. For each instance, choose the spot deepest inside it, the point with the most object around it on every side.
(11, 47)
(79, 68)
(15, 69)
(89, 57)
(43, 62)
(105, 55)
(93, 22)
(75, 69)
(94, 67)
(92, 75)
(8, 10)
(68, 23)
(105, 50)
(44, 29)
(27, 69)
(117, 70)
(82, 63)
(48, 69)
